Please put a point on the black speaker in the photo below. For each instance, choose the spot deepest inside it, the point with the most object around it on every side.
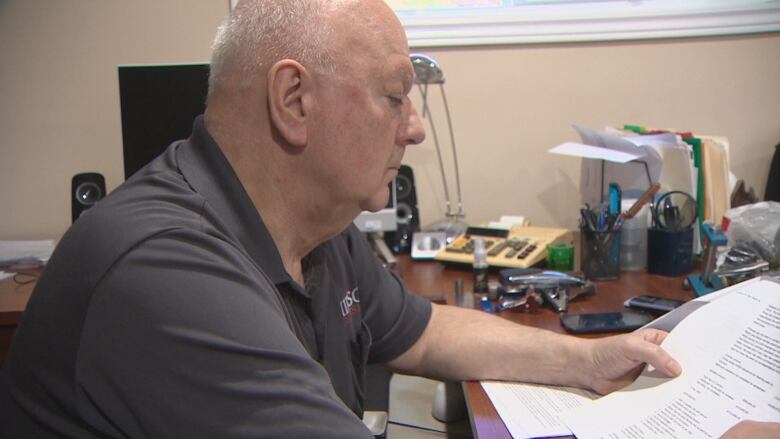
(86, 189)
(408, 217)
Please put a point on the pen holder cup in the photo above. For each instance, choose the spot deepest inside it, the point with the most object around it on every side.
(600, 254)
(669, 252)
(560, 257)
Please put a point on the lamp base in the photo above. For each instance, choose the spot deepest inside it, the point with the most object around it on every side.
(451, 227)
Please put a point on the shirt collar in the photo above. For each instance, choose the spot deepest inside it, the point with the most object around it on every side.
(206, 169)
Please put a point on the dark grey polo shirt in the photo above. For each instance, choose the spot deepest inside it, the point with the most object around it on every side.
(165, 311)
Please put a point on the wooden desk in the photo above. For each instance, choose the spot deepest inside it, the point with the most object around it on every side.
(13, 300)
(432, 278)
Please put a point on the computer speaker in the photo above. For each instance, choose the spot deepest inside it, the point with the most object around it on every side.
(86, 189)
(408, 217)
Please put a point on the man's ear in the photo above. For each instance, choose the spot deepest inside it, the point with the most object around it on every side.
(288, 86)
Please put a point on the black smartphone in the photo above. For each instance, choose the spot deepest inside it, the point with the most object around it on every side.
(653, 304)
(624, 321)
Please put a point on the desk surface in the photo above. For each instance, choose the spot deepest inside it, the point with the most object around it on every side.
(14, 297)
(434, 279)
(13, 300)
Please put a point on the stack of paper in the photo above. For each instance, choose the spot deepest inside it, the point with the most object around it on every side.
(715, 170)
(728, 344)
(23, 254)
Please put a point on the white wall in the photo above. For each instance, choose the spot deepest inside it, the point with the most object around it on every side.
(59, 105)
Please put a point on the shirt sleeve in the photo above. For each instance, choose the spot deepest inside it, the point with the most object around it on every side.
(186, 337)
(395, 316)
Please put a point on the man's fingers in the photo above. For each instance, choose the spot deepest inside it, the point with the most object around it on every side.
(656, 356)
(654, 335)
(753, 430)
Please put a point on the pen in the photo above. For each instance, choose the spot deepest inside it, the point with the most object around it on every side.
(602, 219)
(587, 219)
(644, 199)
(615, 198)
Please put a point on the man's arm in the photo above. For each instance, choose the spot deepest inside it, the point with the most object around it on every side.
(463, 344)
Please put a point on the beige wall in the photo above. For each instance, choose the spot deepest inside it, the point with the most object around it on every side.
(511, 104)
(59, 105)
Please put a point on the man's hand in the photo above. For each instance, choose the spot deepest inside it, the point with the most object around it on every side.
(753, 430)
(616, 361)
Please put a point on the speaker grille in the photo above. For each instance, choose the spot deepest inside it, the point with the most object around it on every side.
(407, 215)
(86, 189)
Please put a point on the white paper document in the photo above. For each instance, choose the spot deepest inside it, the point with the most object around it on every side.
(730, 354)
(530, 410)
(12, 252)
(728, 344)
(593, 152)
(639, 173)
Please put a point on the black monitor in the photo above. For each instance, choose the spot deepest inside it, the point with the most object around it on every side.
(158, 104)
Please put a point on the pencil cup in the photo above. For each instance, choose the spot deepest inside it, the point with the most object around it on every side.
(670, 252)
(600, 254)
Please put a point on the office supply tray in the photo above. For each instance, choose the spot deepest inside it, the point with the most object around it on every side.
(518, 247)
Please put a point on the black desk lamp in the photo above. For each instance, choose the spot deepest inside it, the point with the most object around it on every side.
(427, 71)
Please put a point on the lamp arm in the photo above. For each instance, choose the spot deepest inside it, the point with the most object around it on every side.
(427, 114)
(460, 212)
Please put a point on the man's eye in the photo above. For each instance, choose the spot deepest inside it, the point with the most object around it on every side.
(394, 101)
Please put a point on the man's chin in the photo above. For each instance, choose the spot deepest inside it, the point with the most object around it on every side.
(375, 204)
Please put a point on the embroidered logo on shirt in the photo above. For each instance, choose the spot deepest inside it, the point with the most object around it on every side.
(350, 305)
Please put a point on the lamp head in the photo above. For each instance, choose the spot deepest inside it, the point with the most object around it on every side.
(426, 69)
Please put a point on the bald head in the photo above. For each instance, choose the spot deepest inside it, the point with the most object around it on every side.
(259, 33)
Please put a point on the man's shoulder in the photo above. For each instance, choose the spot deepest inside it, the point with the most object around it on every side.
(155, 199)
(147, 205)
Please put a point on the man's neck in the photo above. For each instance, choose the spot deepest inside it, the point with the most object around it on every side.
(296, 221)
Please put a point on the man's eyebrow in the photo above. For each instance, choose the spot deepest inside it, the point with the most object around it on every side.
(407, 77)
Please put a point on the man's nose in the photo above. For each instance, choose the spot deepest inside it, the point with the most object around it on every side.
(413, 130)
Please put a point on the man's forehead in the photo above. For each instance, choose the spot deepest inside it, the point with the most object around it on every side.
(367, 33)
(401, 69)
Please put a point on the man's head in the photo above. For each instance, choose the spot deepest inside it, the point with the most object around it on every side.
(259, 33)
(323, 85)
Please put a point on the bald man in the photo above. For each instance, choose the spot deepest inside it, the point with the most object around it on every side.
(223, 292)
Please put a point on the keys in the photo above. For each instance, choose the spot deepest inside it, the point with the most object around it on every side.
(528, 250)
(498, 248)
(517, 248)
(466, 245)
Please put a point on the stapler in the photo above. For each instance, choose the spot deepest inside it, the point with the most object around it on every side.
(707, 281)
(555, 287)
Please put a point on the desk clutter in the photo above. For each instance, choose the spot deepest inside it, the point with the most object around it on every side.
(516, 247)
(528, 288)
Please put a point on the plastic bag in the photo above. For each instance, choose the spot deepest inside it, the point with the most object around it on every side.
(756, 226)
